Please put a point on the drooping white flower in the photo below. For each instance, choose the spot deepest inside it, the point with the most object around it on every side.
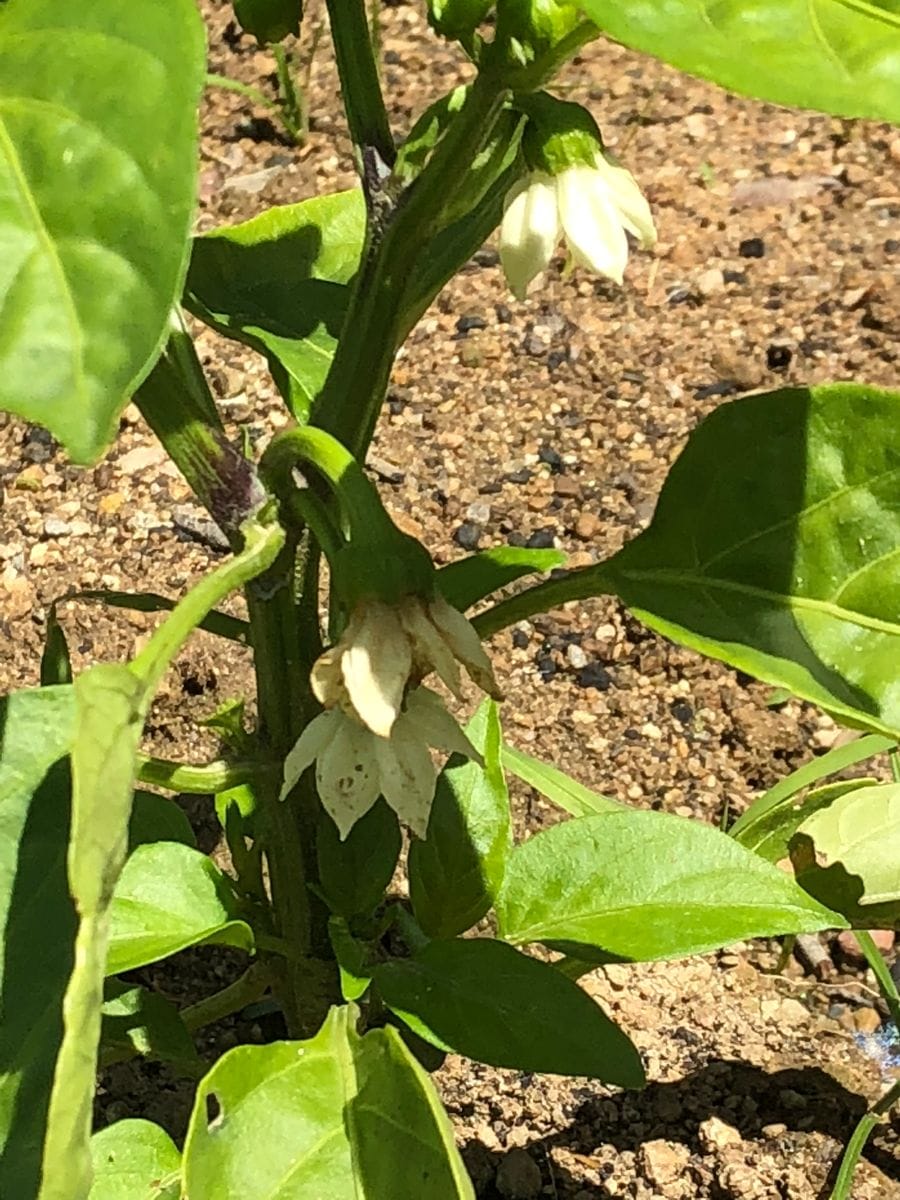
(592, 207)
(385, 647)
(354, 766)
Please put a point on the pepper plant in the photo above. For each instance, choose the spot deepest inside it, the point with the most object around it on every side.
(774, 548)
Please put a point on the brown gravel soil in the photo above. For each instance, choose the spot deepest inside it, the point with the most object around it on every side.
(549, 422)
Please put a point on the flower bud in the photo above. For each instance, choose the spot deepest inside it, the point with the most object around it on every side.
(457, 18)
(529, 29)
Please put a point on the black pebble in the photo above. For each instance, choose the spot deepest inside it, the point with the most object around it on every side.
(470, 321)
(523, 475)
(778, 358)
(552, 458)
(734, 276)
(520, 639)
(541, 539)
(682, 712)
(546, 666)
(752, 248)
(594, 675)
(468, 535)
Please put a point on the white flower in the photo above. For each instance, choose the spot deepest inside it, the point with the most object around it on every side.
(591, 207)
(354, 766)
(385, 647)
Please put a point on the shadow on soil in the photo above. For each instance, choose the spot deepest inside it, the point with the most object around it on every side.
(745, 1097)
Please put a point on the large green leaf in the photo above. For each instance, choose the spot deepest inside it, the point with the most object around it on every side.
(840, 56)
(279, 283)
(847, 854)
(455, 873)
(135, 1160)
(486, 1000)
(170, 896)
(37, 919)
(338, 1116)
(98, 167)
(647, 885)
(770, 836)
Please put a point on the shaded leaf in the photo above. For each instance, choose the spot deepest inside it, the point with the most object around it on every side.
(771, 835)
(839, 56)
(468, 580)
(455, 873)
(135, 1160)
(97, 201)
(342, 1116)
(157, 819)
(354, 873)
(169, 897)
(483, 999)
(647, 885)
(269, 20)
(138, 1021)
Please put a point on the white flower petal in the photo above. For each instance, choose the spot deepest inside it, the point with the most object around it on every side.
(628, 198)
(347, 773)
(426, 711)
(529, 231)
(376, 665)
(326, 677)
(591, 223)
(309, 745)
(462, 639)
(431, 651)
(407, 776)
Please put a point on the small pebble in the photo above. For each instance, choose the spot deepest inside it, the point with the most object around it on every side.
(468, 535)
(752, 248)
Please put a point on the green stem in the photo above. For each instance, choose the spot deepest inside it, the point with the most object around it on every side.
(204, 779)
(349, 404)
(251, 986)
(363, 101)
(290, 110)
(244, 89)
(881, 973)
(858, 1139)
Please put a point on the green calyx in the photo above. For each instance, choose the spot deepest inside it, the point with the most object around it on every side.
(527, 30)
(558, 135)
(386, 567)
(457, 18)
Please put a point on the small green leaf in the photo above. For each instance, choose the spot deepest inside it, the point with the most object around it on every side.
(56, 663)
(354, 874)
(97, 201)
(169, 897)
(455, 873)
(838, 56)
(137, 1021)
(351, 958)
(647, 885)
(135, 1160)
(483, 999)
(157, 819)
(278, 284)
(269, 20)
(846, 855)
(37, 919)
(338, 1116)
(464, 582)
(219, 623)
(562, 789)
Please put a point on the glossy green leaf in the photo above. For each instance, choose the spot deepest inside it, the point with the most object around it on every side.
(837, 759)
(455, 873)
(464, 582)
(37, 919)
(355, 873)
(169, 897)
(96, 201)
(157, 818)
(839, 56)
(138, 1021)
(556, 785)
(775, 547)
(647, 885)
(483, 999)
(269, 20)
(338, 1116)
(278, 283)
(135, 1160)
(847, 854)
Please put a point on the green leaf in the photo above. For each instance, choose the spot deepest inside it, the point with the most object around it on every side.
(648, 885)
(278, 284)
(269, 20)
(135, 1160)
(352, 959)
(846, 855)
(749, 824)
(342, 1116)
(775, 547)
(771, 835)
(838, 56)
(455, 873)
(556, 785)
(170, 897)
(486, 1000)
(37, 919)
(355, 873)
(219, 623)
(137, 1021)
(97, 201)
(464, 582)
(157, 819)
